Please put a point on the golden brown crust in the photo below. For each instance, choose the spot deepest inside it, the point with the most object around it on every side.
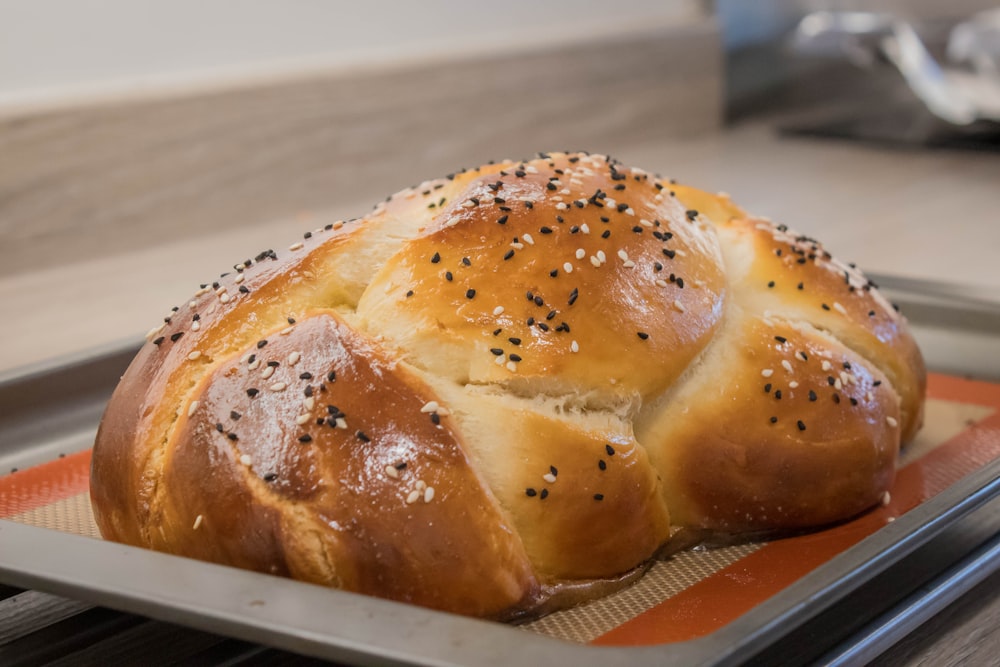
(559, 351)
(786, 429)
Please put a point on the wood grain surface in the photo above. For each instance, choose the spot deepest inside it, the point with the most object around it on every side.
(966, 633)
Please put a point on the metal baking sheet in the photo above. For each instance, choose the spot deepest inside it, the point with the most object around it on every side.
(54, 409)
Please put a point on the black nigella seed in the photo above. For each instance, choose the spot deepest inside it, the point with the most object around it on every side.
(610, 450)
(602, 464)
(812, 395)
(176, 337)
(801, 425)
(305, 437)
(270, 477)
(234, 415)
(598, 496)
(508, 254)
(261, 343)
(435, 418)
(642, 334)
(774, 420)
(691, 214)
(531, 493)
(469, 293)
(496, 351)
(360, 435)
(252, 392)
(436, 258)
(544, 494)
(502, 220)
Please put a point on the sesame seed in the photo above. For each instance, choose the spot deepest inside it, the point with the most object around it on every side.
(296, 246)
(574, 346)
(197, 522)
(679, 306)
(278, 386)
(529, 239)
(302, 419)
(341, 422)
(413, 497)
(767, 372)
(268, 372)
(567, 267)
(580, 253)
(391, 471)
(194, 355)
(549, 477)
(786, 365)
(891, 421)
(246, 460)
(192, 408)
(839, 308)
(428, 494)
(430, 406)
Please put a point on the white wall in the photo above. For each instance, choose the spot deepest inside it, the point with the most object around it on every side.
(62, 47)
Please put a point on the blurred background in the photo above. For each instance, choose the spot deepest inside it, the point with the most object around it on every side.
(146, 146)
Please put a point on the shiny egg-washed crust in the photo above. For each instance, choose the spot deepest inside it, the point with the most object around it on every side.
(504, 382)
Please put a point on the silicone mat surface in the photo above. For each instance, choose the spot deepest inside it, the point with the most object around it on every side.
(694, 592)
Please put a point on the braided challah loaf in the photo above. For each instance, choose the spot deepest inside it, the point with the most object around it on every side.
(504, 382)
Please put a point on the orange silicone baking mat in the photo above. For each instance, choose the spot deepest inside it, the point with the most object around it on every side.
(691, 594)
